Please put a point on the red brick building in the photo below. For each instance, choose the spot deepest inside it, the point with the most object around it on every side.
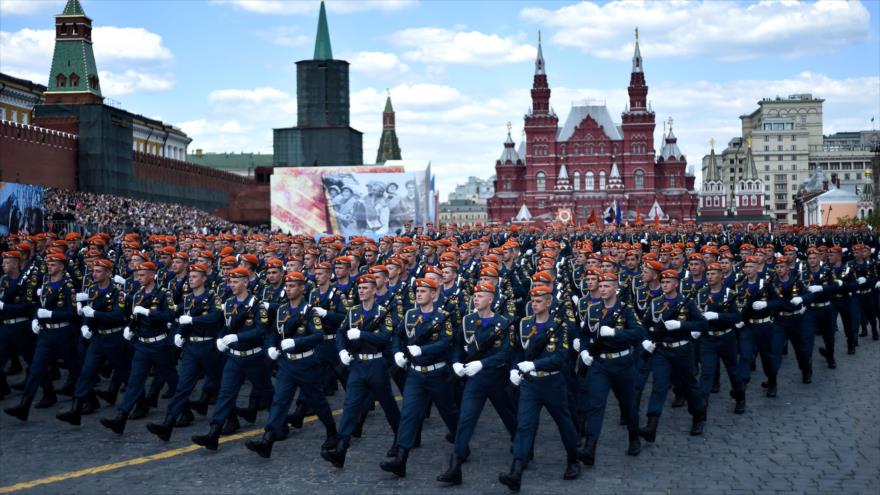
(591, 162)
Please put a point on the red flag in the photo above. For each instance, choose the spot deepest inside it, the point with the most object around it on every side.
(592, 218)
(656, 221)
(638, 218)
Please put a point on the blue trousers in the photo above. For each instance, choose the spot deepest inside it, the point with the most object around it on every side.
(675, 365)
(367, 379)
(52, 344)
(792, 327)
(305, 374)
(102, 349)
(197, 358)
(421, 388)
(849, 315)
(766, 339)
(605, 375)
(156, 354)
(15, 340)
(535, 393)
(487, 384)
(255, 368)
(713, 350)
(866, 303)
(820, 321)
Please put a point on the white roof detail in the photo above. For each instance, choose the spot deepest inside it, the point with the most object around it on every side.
(614, 171)
(509, 152)
(563, 172)
(523, 214)
(599, 113)
(656, 211)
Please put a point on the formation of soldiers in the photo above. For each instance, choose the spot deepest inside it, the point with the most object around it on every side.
(529, 319)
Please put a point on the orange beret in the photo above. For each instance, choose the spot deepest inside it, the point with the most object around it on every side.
(654, 265)
(56, 257)
(146, 265)
(367, 278)
(714, 266)
(426, 282)
(540, 290)
(250, 258)
(543, 277)
(12, 254)
(669, 274)
(228, 261)
(484, 287)
(199, 267)
(295, 277)
(104, 263)
(609, 277)
(342, 260)
(378, 269)
(239, 272)
(274, 263)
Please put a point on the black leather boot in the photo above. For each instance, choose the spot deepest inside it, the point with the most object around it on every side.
(67, 388)
(453, 473)
(513, 479)
(635, 445)
(90, 404)
(141, 408)
(336, 456)
(263, 446)
(678, 401)
(116, 424)
(398, 464)
(771, 388)
(330, 438)
(185, 418)
(587, 455)
(21, 411)
(211, 440)
(49, 399)
(572, 467)
(698, 425)
(74, 415)
(649, 432)
(807, 376)
(163, 430)
(109, 395)
(201, 404)
(248, 414)
(231, 425)
(392, 452)
(295, 419)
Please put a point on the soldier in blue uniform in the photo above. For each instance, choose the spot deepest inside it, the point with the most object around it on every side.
(484, 358)
(718, 303)
(820, 318)
(676, 323)
(148, 331)
(298, 334)
(758, 303)
(540, 350)
(613, 331)
(423, 343)
(200, 317)
(367, 330)
(17, 301)
(844, 304)
(789, 319)
(866, 275)
(103, 312)
(242, 341)
(55, 330)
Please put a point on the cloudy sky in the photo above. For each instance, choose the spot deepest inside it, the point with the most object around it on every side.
(458, 71)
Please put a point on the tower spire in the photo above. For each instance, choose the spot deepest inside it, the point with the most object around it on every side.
(73, 77)
(539, 61)
(637, 55)
(389, 148)
(323, 51)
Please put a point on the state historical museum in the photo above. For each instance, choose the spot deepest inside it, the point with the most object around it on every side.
(592, 165)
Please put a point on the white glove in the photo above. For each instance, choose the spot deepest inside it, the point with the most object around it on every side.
(221, 346)
(86, 333)
(273, 353)
(35, 327)
(710, 315)
(127, 334)
(79, 308)
(759, 305)
(844, 250)
(40, 291)
(230, 339)
(576, 343)
(345, 357)
(185, 320)
(740, 324)
(287, 344)
(88, 311)
(44, 314)
(606, 332)
(861, 280)
(118, 279)
(586, 358)
(321, 312)
(695, 335)
(649, 346)
(265, 305)
(815, 289)
(414, 350)
(839, 283)
(797, 300)
(399, 360)
(140, 310)
(526, 366)
(458, 369)
(1, 305)
(179, 340)
(473, 368)
(529, 252)
(559, 286)
(515, 377)
(876, 286)
(672, 324)
(353, 334)
(575, 300)
(82, 297)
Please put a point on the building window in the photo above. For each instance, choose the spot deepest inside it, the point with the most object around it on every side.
(766, 147)
(766, 158)
(589, 182)
(671, 181)
(640, 179)
(846, 176)
(779, 138)
(766, 138)
(508, 185)
(754, 200)
(60, 80)
(577, 181)
(602, 180)
(540, 203)
(577, 149)
(541, 180)
(74, 79)
(589, 149)
(793, 147)
(24, 118)
(15, 115)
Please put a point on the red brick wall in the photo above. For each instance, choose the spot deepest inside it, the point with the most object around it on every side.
(34, 155)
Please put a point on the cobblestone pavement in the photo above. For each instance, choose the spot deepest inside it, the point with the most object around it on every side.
(819, 438)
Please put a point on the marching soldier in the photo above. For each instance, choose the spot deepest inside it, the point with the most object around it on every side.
(17, 296)
(820, 318)
(845, 305)
(866, 276)
(758, 303)
(789, 320)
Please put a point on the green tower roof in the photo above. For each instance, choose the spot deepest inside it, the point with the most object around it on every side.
(388, 107)
(73, 62)
(73, 8)
(323, 51)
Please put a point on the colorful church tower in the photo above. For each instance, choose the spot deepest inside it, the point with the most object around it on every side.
(74, 74)
(389, 148)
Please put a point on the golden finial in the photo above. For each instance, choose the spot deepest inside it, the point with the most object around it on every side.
(749, 141)
(509, 126)
(712, 143)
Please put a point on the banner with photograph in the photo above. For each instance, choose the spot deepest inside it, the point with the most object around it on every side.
(371, 201)
(22, 208)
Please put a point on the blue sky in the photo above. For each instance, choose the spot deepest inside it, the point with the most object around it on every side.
(459, 71)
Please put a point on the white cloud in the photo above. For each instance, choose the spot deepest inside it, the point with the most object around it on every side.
(722, 30)
(132, 81)
(437, 46)
(378, 64)
(125, 43)
(282, 7)
(284, 36)
(30, 7)
(251, 97)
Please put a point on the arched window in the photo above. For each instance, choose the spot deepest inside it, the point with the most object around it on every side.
(577, 150)
(589, 149)
(589, 183)
(508, 185)
(577, 181)
(640, 179)
(601, 149)
(671, 181)
(74, 79)
(60, 80)
(541, 179)
(562, 150)
(754, 201)
(602, 180)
